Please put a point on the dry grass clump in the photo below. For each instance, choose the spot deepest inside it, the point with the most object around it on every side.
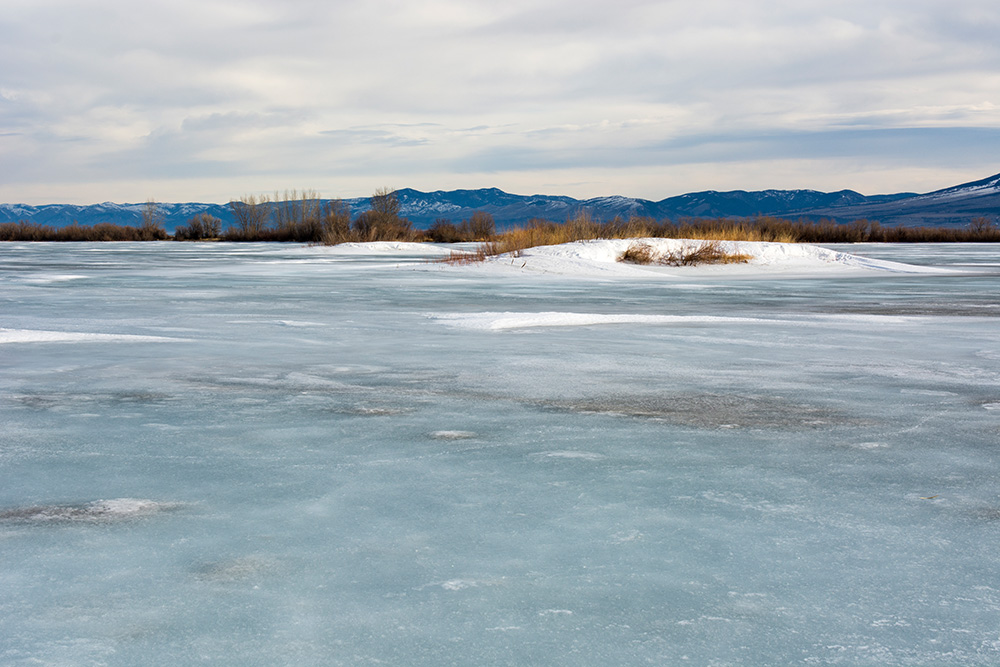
(639, 253)
(706, 253)
(461, 258)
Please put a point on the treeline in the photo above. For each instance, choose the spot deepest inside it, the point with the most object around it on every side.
(305, 218)
(980, 229)
(291, 217)
(102, 231)
(768, 228)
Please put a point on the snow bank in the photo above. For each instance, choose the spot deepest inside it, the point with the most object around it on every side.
(391, 248)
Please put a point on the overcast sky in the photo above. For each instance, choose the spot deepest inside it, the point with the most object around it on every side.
(207, 100)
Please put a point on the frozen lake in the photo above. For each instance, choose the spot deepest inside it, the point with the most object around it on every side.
(285, 455)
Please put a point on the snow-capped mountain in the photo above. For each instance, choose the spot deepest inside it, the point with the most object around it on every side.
(61, 215)
(951, 207)
(954, 206)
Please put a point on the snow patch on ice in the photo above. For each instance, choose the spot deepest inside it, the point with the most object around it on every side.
(452, 435)
(49, 278)
(458, 584)
(37, 336)
(570, 454)
(298, 323)
(555, 612)
(388, 248)
(499, 321)
(867, 445)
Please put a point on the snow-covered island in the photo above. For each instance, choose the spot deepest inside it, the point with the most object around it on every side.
(601, 259)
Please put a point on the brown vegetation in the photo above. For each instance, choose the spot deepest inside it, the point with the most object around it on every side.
(199, 228)
(479, 227)
(709, 252)
(102, 231)
(382, 221)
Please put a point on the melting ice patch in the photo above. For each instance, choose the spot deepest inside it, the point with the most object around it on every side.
(98, 511)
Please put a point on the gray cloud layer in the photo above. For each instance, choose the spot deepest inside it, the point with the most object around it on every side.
(207, 100)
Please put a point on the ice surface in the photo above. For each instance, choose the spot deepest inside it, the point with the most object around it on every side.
(287, 455)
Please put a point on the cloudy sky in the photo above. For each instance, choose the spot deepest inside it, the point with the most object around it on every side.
(207, 100)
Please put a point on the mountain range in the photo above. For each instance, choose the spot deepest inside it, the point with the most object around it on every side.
(951, 207)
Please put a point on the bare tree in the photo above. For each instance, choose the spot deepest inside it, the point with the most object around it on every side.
(479, 227)
(151, 227)
(336, 222)
(382, 221)
(250, 216)
(981, 225)
(201, 226)
(385, 204)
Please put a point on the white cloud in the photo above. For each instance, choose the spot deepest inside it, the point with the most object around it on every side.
(593, 97)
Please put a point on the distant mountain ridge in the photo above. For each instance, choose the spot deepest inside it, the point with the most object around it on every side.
(950, 207)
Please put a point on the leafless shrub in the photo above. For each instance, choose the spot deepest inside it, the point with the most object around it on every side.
(200, 227)
(706, 253)
(639, 253)
(382, 222)
(250, 216)
(471, 257)
(102, 231)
